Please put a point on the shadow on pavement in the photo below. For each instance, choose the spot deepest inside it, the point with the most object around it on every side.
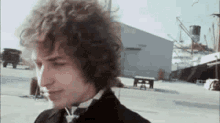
(197, 105)
(152, 112)
(10, 79)
(20, 68)
(33, 97)
(154, 90)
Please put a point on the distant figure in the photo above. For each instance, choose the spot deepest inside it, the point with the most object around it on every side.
(34, 88)
(76, 52)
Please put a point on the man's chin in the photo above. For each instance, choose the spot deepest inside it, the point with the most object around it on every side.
(55, 104)
(59, 104)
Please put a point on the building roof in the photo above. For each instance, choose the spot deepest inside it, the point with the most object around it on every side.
(123, 24)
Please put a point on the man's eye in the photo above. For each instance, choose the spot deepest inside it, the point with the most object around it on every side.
(58, 64)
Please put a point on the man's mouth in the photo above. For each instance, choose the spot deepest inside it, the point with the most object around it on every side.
(54, 92)
(51, 92)
(53, 95)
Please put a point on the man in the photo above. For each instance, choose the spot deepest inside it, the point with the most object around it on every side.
(76, 52)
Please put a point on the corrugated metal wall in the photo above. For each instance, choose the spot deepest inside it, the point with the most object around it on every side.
(144, 61)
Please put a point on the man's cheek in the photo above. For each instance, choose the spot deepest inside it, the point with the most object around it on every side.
(65, 79)
(74, 95)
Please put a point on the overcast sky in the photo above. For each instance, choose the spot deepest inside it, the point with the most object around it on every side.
(153, 16)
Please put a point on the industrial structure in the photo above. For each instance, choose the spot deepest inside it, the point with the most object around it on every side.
(182, 57)
(207, 62)
(144, 54)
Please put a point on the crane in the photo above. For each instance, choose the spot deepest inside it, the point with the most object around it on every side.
(187, 32)
(180, 40)
(181, 47)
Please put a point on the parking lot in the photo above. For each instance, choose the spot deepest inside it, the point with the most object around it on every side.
(167, 102)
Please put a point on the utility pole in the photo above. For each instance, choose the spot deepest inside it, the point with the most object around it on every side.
(109, 5)
(218, 42)
(216, 68)
(215, 42)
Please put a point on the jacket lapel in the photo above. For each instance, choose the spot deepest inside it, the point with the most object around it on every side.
(55, 116)
(98, 112)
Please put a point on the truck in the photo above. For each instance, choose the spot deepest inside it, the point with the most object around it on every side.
(11, 56)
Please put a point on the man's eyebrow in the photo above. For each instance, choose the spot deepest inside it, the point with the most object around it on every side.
(49, 59)
(54, 59)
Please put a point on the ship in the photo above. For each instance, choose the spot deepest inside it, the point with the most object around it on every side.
(203, 67)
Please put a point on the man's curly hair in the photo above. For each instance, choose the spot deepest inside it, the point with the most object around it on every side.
(92, 36)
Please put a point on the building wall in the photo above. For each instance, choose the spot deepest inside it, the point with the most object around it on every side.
(144, 54)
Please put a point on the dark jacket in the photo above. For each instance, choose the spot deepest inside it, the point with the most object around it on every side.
(107, 109)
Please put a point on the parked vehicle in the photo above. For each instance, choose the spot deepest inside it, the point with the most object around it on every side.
(11, 56)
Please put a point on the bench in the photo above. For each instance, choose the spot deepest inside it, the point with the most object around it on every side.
(150, 81)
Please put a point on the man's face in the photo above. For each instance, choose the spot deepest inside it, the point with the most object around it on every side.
(59, 78)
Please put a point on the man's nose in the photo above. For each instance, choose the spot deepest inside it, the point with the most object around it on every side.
(46, 79)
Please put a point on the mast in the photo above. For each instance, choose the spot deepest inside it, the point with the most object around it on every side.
(206, 43)
(215, 42)
(218, 40)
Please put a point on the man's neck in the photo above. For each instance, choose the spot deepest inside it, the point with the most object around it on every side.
(89, 94)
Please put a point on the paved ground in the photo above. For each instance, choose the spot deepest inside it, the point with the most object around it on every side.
(168, 102)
